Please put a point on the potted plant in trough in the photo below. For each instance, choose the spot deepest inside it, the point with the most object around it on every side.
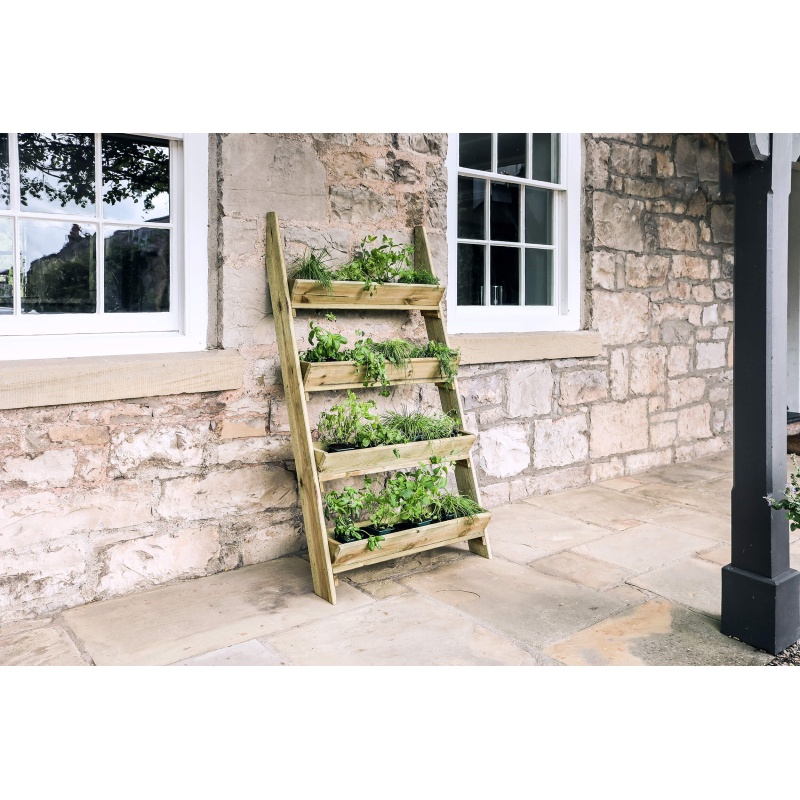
(344, 508)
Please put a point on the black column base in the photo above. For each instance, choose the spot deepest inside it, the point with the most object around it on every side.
(763, 612)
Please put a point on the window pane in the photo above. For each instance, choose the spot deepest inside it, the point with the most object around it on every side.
(538, 277)
(504, 212)
(5, 188)
(6, 267)
(135, 178)
(136, 269)
(471, 207)
(475, 150)
(57, 267)
(470, 274)
(538, 216)
(504, 271)
(57, 172)
(544, 157)
(511, 154)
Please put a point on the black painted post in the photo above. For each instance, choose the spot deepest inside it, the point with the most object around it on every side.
(760, 593)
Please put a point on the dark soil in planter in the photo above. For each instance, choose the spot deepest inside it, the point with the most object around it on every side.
(404, 526)
(340, 448)
(373, 531)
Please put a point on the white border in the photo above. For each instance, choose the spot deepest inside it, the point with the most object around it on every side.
(190, 285)
(566, 314)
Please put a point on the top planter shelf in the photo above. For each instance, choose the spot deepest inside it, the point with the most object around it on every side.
(353, 295)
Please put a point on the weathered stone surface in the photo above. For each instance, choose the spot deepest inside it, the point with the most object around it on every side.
(37, 645)
(53, 468)
(710, 355)
(618, 427)
(621, 317)
(686, 156)
(682, 391)
(620, 361)
(617, 222)
(676, 234)
(359, 205)
(530, 393)
(676, 331)
(645, 271)
(628, 160)
(678, 360)
(604, 270)
(663, 434)
(504, 451)
(63, 434)
(230, 429)
(483, 390)
(694, 422)
(583, 386)
(558, 442)
(648, 370)
(151, 560)
(273, 541)
(230, 492)
(722, 223)
(690, 267)
(179, 446)
(596, 163)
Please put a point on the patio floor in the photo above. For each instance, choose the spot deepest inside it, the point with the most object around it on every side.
(621, 572)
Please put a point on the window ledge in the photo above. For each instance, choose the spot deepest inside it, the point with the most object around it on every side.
(60, 381)
(496, 348)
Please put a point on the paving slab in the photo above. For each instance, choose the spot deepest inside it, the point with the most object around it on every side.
(723, 461)
(246, 654)
(721, 487)
(523, 532)
(172, 623)
(692, 520)
(644, 547)
(719, 555)
(630, 595)
(684, 474)
(691, 581)
(582, 570)
(517, 601)
(710, 503)
(404, 631)
(37, 644)
(381, 590)
(656, 633)
(598, 505)
(620, 484)
(395, 568)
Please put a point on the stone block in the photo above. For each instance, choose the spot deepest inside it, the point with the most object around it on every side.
(596, 163)
(678, 360)
(165, 446)
(264, 172)
(621, 317)
(233, 429)
(648, 370)
(618, 369)
(274, 541)
(723, 290)
(645, 271)
(53, 468)
(278, 417)
(483, 390)
(663, 434)
(664, 166)
(67, 434)
(583, 386)
(686, 149)
(359, 205)
(703, 293)
(710, 314)
(691, 267)
(495, 494)
(694, 422)
(618, 222)
(683, 391)
(530, 390)
(618, 427)
(152, 560)
(236, 491)
(722, 224)
(558, 442)
(628, 160)
(710, 355)
(676, 234)
(673, 331)
(603, 270)
(255, 451)
(504, 451)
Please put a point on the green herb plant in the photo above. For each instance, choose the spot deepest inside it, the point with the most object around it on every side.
(324, 346)
(791, 498)
(448, 506)
(414, 426)
(312, 267)
(376, 265)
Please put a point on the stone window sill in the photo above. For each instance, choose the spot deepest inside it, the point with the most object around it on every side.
(60, 381)
(496, 348)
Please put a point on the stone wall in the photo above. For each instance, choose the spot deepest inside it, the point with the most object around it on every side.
(103, 499)
(658, 258)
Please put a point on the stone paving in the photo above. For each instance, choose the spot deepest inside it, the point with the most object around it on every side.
(626, 572)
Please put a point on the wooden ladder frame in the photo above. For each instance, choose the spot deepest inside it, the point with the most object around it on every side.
(309, 481)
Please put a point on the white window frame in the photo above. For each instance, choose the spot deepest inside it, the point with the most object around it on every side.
(183, 329)
(565, 313)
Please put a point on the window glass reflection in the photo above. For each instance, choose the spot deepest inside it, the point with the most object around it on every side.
(57, 267)
(544, 157)
(5, 185)
(511, 154)
(538, 277)
(6, 266)
(504, 276)
(135, 178)
(470, 274)
(538, 216)
(471, 207)
(504, 212)
(56, 173)
(475, 150)
(136, 270)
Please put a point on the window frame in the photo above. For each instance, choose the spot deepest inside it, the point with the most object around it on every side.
(565, 313)
(184, 328)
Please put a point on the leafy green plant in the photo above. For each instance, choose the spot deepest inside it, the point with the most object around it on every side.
(449, 506)
(417, 276)
(416, 490)
(325, 346)
(364, 354)
(383, 504)
(351, 422)
(791, 498)
(344, 508)
(312, 267)
(447, 358)
(373, 539)
(376, 265)
(415, 426)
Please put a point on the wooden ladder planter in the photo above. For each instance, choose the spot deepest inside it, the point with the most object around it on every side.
(315, 465)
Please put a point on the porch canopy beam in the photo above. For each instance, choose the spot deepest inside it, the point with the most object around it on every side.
(760, 593)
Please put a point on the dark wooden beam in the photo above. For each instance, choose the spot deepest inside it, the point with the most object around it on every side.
(760, 593)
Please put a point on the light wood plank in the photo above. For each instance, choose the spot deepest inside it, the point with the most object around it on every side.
(305, 464)
(466, 479)
(336, 375)
(63, 381)
(500, 348)
(353, 295)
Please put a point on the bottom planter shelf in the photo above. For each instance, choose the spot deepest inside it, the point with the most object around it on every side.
(401, 543)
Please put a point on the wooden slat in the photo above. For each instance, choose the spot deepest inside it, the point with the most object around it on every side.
(92, 379)
(337, 375)
(466, 480)
(415, 540)
(367, 460)
(353, 295)
(500, 348)
(305, 464)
